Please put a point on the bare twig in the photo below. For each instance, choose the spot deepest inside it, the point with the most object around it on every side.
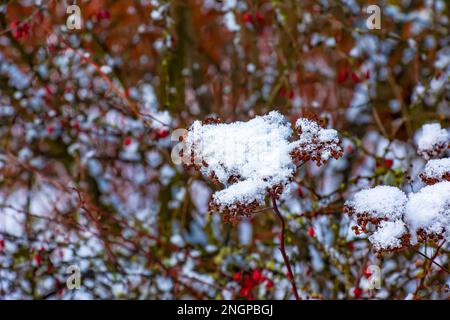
(283, 250)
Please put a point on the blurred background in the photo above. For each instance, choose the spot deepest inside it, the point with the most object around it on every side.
(86, 116)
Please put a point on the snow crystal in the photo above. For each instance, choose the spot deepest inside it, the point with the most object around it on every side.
(436, 170)
(433, 140)
(388, 235)
(429, 210)
(381, 202)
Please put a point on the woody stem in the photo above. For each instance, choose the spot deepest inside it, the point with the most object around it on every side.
(283, 249)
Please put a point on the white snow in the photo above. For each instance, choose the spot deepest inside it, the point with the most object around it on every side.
(388, 235)
(315, 140)
(429, 209)
(437, 168)
(432, 141)
(384, 202)
(249, 158)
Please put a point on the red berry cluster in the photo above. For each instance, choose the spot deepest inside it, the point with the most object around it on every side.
(249, 280)
(20, 29)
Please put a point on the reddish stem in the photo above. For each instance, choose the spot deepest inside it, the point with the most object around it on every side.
(283, 250)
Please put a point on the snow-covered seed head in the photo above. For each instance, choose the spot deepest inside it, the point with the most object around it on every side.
(253, 159)
(436, 170)
(315, 143)
(433, 141)
(391, 236)
(428, 213)
(382, 203)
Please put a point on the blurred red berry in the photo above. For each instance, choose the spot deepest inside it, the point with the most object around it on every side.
(388, 163)
(237, 276)
(162, 133)
(350, 148)
(127, 141)
(269, 284)
(367, 273)
(350, 246)
(259, 18)
(342, 75)
(291, 94)
(19, 29)
(37, 259)
(247, 17)
(2, 245)
(357, 292)
(300, 192)
(50, 129)
(368, 74)
(256, 275)
(103, 15)
(356, 78)
(311, 232)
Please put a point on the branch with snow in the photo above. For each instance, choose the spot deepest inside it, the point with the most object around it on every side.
(433, 141)
(255, 159)
(399, 220)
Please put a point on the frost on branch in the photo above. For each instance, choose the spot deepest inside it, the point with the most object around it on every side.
(433, 141)
(428, 212)
(436, 170)
(253, 159)
(400, 220)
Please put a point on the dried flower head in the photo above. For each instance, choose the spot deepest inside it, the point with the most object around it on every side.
(252, 159)
(433, 141)
(436, 170)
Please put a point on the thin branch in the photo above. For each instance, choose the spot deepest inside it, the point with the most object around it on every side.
(283, 250)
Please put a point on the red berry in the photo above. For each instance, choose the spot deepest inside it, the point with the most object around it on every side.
(162, 133)
(367, 273)
(247, 17)
(311, 232)
(127, 141)
(282, 92)
(350, 148)
(350, 246)
(300, 192)
(2, 245)
(288, 275)
(357, 292)
(342, 75)
(50, 129)
(291, 94)
(356, 78)
(237, 276)
(269, 284)
(37, 259)
(244, 292)
(256, 275)
(259, 18)
(388, 163)
(103, 15)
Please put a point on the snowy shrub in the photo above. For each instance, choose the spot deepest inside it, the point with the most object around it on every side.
(255, 159)
(400, 220)
(433, 141)
(436, 170)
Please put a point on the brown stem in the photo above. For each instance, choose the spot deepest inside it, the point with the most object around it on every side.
(283, 250)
